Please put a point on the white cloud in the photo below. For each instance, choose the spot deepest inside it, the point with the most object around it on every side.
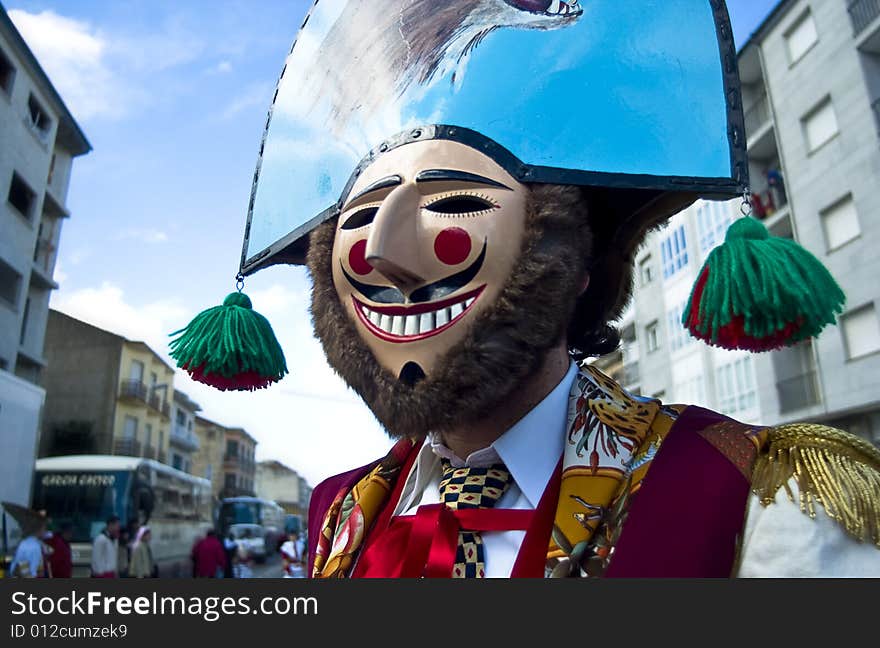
(310, 421)
(107, 308)
(73, 54)
(143, 235)
(223, 67)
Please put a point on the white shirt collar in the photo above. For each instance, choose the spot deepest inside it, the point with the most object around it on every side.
(530, 449)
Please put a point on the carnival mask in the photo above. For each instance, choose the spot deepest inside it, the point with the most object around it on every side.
(424, 243)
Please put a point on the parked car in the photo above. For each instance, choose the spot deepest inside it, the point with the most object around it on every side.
(250, 538)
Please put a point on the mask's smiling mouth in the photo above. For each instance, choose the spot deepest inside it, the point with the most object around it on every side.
(401, 324)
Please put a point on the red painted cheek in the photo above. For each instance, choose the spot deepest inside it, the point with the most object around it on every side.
(357, 260)
(452, 246)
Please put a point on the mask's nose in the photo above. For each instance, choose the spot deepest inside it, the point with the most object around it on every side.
(393, 243)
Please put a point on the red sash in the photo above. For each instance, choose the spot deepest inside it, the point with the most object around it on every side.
(424, 544)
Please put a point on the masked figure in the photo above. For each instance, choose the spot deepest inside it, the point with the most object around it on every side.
(469, 195)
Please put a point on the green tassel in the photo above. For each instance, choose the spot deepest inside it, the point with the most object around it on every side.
(759, 292)
(230, 347)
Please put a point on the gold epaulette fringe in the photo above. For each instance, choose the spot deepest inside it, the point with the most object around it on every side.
(833, 468)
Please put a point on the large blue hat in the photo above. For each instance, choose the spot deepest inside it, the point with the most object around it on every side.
(637, 96)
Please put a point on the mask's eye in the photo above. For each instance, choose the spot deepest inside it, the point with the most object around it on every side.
(460, 205)
(360, 218)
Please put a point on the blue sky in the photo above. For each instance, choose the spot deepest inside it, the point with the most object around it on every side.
(173, 97)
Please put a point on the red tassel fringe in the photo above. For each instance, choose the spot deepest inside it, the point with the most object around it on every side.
(733, 335)
(246, 381)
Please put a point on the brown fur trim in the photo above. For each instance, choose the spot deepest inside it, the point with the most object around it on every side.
(505, 344)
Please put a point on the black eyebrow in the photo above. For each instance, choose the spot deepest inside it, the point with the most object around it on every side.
(440, 175)
(384, 183)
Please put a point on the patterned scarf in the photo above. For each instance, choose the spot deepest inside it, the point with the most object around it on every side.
(611, 440)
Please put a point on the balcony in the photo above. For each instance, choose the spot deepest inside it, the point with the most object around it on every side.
(758, 116)
(798, 392)
(127, 447)
(631, 374)
(133, 390)
(184, 439)
(149, 452)
(161, 457)
(862, 13)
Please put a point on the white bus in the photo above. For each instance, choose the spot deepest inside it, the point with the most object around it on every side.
(87, 489)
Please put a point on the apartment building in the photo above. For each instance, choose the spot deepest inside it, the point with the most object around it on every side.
(105, 394)
(184, 441)
(275, 481)
(811, 94)
(207, 458)
(40, 139)
(239, 468)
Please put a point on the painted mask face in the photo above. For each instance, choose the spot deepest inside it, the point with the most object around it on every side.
(425, 242)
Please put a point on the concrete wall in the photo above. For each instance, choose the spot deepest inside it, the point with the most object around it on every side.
(82, 380)
(277, 482)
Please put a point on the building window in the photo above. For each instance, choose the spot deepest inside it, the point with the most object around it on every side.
(232, 448)
(691, 391)
(801, 37)
(841, 223)
(181, 417)
(209, 472)
(674, 252)
(161, 445)
(678, 334)
(229, 481)
(21, 196)
(713, 219)
(861, 331)
(177, 461)
(646, 270)
(7, 73)
(130, 428)
(652, 336)
(24, 319)
(39, 119)
(820, 124)
(10, 284)
(735, 382)
(137, 371)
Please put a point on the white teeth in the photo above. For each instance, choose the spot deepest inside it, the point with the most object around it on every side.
(554, 7)
(410, 325)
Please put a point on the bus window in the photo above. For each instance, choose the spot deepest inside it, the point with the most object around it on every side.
(85, 500)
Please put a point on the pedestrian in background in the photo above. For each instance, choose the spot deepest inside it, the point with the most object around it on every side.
(141, 565)
(209, 557)
(292, 556)
(123, 546)
(105, 551)
(61, 558)
(28, 560)
(230, 546)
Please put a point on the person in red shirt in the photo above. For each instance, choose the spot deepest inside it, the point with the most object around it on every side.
(208, 556)
(61, 560)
